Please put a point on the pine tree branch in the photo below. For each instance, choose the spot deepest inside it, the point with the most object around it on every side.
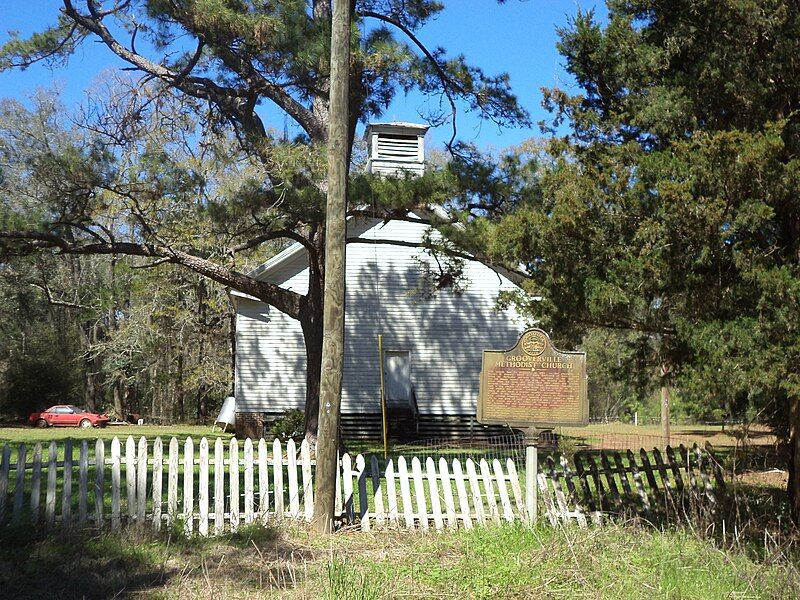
(447, 81)
(285, 301)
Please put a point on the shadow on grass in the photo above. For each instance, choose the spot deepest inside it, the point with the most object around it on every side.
(87, 564)
(34, 564)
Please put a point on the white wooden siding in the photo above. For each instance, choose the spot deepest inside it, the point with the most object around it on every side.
(445, 335)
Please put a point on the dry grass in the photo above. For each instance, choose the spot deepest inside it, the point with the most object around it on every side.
(732, 435)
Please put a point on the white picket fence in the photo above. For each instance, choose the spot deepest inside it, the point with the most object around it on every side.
(440, 494)
(213, 487)
(140, 483)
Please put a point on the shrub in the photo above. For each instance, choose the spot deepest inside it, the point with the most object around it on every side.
(290, 426)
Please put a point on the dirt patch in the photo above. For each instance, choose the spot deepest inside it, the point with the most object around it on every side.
(772, 478)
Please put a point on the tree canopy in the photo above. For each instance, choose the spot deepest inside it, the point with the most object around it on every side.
(670, 209)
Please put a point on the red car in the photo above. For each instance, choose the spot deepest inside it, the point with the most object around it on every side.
(66, 415)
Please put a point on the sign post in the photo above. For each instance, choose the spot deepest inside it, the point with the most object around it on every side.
(530, 386)
(531, 475)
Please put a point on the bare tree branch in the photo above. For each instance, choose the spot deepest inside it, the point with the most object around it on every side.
(54, 301)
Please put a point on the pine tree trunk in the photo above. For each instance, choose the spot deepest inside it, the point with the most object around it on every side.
(793, 485)
(311, 324)
(312, 332)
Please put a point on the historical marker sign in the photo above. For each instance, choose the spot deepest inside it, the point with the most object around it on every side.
(533, 384)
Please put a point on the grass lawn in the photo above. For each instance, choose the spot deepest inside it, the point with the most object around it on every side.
(291, 562)
(27, 434)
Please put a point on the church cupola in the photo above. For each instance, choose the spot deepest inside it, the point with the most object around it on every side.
(396, 148)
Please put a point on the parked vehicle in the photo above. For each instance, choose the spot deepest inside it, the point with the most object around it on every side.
(67, 415)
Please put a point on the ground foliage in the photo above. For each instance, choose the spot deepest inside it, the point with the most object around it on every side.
(286, 562)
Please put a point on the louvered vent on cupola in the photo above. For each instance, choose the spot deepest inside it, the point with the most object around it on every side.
(396, 148)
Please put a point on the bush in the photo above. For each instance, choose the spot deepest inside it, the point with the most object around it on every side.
(291, 425)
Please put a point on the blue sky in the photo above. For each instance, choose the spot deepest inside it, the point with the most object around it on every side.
(518, 37)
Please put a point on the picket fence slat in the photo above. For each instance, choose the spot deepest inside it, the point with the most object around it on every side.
(202, 489)
(516, 489)
(477, 498)
(188, 485)
(219, 486)
(505, 502)
(99, 476)
(158, 467)
(461, 490)
(233, 470)
(172, 482)
(291, 472)
(419, 488)
(573, 493)
(115, 484)
(583, 479)
(363, 500)
(491, 500)
(83, 481)
(19, 485)
(549, 505)
(558, 492)
(405, 492)
(347, 488)
(637, 480)
(308, 481)
(277, 478)
(248, 481)
(36, 483)
(436, 505)
(708, 490)
(377, 491)
(391, 492)
(447, 488)
(263, 481)
(141, 480)
(130, 477)
(66, 496)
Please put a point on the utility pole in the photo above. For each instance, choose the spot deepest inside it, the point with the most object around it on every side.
(330, 396)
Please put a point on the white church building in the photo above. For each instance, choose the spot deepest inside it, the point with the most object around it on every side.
(432, 343)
